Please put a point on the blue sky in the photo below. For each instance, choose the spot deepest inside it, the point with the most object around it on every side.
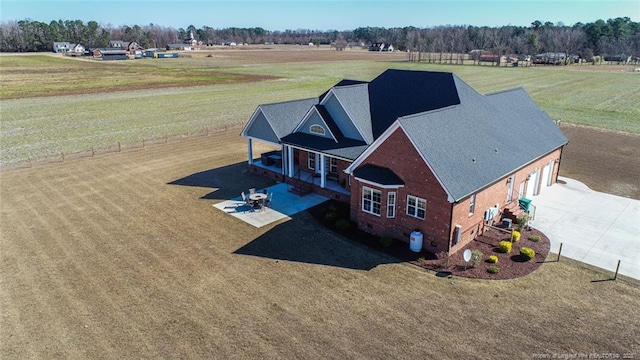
(319, 14)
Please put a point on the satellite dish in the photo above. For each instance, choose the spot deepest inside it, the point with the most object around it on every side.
(466, 255)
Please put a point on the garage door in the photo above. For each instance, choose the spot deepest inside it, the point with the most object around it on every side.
(532, 185)
(547, 173)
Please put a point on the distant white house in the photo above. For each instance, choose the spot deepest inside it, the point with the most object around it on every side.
(61, 47)
(118, 44)
(76, 50)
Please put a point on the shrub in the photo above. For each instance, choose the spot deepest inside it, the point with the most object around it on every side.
(342, 224)
(535, 238)
(493, 259)
(476, 257)
(331, 215)
(385, 241)
(493, 269)
(523, 221)
(505, 247)
(515, 236)
(527, 253)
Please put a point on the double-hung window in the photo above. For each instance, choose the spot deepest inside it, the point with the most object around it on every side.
(333, 165)
(391, 204)
(472, 204)
(371, 200)
(416, 207)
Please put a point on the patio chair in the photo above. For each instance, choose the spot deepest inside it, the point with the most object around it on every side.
(267, 201)
(245, 199)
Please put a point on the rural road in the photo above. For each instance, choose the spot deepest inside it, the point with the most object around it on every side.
(595, 228)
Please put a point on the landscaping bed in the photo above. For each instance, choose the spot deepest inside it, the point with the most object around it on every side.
(510, 265)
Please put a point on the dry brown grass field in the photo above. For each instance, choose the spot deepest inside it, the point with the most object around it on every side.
(108, 257)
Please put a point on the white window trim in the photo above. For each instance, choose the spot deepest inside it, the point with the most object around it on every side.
(372, 191)
(417, 201)
(316, 126)
(391, 204)
(333, 164)
(472, 204)
(311, 158)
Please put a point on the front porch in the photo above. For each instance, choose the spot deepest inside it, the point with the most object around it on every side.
(303, 182)
(303, 171)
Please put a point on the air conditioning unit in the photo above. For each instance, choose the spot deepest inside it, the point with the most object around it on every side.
(491, 213)
(487, 215)
(457, 234)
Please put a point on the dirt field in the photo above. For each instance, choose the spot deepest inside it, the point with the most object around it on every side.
(108, 257)
(605, 160)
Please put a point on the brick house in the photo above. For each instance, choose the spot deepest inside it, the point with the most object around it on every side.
(412, 151)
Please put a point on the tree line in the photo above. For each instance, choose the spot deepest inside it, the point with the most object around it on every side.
(613, 36)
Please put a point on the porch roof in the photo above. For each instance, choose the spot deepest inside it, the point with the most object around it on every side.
(345, 148)
(378, 174)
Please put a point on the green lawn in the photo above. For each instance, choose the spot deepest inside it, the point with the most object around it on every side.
(53, 105)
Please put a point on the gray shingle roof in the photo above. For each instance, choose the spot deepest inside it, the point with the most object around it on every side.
(324, 114)
(345, 148)
(396, 93)
(482, 139)
(355, 100)
(285, 116)
(469, 140)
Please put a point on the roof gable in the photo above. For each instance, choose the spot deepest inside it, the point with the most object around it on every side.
(354, 102)
(261, 128)
(396, 93)
(283, 117)
(320, 117)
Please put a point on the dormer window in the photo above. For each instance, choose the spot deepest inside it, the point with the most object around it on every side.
(317, 129)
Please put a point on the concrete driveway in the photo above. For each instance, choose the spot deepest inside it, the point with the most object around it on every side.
(596, 228)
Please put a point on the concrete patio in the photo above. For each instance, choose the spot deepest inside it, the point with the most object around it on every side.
(595, 228)
(284, 204)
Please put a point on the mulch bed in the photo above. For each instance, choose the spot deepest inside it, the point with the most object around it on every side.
(510, 265)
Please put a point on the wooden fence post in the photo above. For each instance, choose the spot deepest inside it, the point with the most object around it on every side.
(62, 153)
(166, 138)
(617, 268)
(559, 252)
(93, 152)
(119, 147)
(30, 162)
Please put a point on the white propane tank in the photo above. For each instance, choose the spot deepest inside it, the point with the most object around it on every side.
(415, 241)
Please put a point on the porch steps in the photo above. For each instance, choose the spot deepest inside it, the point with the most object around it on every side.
(512, 211)
(300, 189)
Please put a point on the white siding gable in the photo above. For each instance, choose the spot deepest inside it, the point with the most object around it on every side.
(260, 128)
(314, 119)
(340, 117)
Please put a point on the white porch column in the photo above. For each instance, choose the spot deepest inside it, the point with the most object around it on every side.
(250, 150)
(323, 170)
(291, 166)
(284, 160)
